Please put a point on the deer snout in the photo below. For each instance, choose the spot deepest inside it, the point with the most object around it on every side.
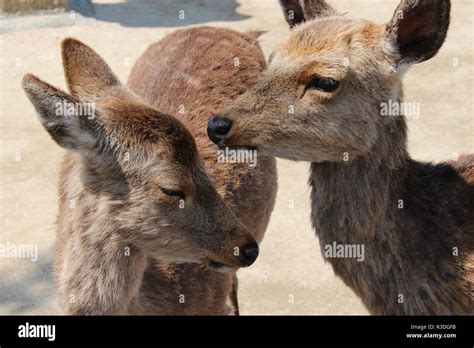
(250, 253)
(242, 255)
(217, 128)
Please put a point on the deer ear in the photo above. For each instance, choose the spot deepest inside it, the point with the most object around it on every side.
(418, 29)
(69, 122)
(87, 74)
(298, 11)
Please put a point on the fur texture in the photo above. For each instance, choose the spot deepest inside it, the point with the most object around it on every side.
(147, 216)
(416, 220)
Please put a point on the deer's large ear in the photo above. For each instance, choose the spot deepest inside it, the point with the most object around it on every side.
(87, 74)
(297, 11)
(418, 29)
(69, 122)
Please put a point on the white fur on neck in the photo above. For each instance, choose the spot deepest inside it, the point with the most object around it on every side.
(402, 69)
(301, 4)
(397, 93)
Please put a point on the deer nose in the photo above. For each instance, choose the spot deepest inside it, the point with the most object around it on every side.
(217, 128)
(250, 253)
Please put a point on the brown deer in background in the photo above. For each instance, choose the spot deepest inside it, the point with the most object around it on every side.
(145, 225)
(320, 101)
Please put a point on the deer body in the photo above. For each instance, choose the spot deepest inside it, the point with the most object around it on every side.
(142, 227)
(415, 223)
(191, 89)
(415, 220)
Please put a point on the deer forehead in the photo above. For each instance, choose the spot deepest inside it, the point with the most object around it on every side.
(328, 44)
(146, 133)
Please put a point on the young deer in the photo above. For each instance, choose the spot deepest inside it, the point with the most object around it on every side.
(320, 101)
(139, 218)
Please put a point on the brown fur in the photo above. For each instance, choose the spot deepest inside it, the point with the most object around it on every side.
(211, 84)
(125, 246)
(361, 169)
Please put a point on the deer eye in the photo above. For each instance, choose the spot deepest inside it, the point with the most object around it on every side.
(324, 84)
(173, 193)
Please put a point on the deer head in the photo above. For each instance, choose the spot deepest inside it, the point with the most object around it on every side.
(142, 164)
(320, 97)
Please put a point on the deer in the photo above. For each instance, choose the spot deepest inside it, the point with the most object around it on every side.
(320, 101)
(149, 221)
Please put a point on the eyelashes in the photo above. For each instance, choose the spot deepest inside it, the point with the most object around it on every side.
(173, 193)
(324, 84)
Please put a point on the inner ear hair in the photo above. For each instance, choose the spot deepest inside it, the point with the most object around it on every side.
(87, 74)
(292, 11)
(298, 11)
(59, 114)
(419, 28)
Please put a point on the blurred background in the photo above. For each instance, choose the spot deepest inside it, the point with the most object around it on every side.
(290, 276)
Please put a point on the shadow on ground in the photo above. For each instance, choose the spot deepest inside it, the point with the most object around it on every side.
(163, 13)
(30, 289)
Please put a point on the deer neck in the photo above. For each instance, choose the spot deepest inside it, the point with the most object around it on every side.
(351, 200)
(89, 242)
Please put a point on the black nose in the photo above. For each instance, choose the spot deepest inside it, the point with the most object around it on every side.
(217, 128)
(250, 253)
